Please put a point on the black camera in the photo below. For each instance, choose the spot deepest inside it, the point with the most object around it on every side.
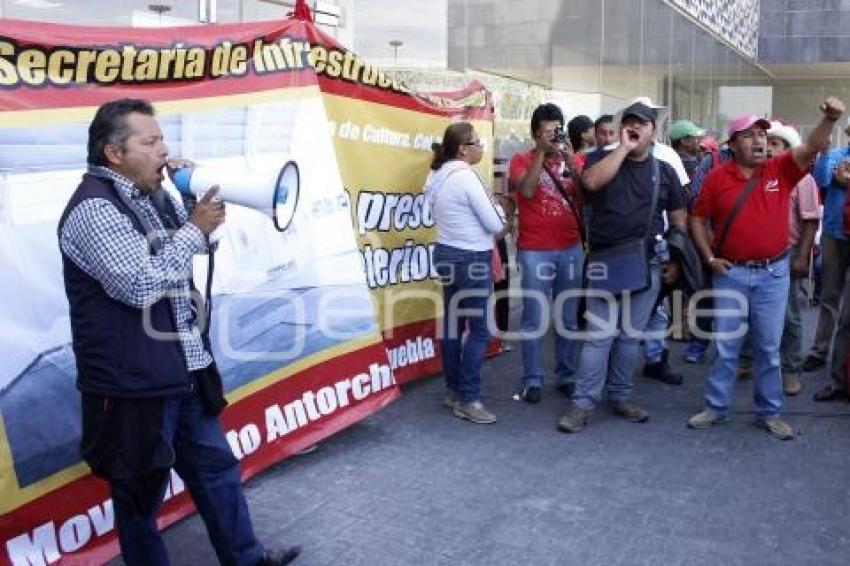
(560, 135)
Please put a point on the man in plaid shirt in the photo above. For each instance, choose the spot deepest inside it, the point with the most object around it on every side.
(151, 393)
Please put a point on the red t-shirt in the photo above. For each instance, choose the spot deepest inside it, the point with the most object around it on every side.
(545, 220)
(760, 230)
(581, 159)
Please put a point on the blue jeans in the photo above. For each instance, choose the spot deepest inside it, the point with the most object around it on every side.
(765, 291)
(467, 278)
(545, 275)
(791, 346)
(618, 338)
(655, 342)
(203, 459)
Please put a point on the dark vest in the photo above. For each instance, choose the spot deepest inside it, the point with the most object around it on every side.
(115, 357)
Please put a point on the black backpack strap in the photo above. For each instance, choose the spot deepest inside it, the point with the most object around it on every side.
(733, 213)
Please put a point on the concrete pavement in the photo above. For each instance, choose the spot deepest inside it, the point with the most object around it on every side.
(414, 485)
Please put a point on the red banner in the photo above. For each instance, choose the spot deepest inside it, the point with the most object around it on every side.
(313, 324)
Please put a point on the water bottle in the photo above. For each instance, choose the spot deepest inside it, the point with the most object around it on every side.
(662, 252)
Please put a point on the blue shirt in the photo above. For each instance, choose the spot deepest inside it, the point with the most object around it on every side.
(703, 169)
(834, 194)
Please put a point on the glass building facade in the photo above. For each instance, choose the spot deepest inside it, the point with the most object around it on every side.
(705, 59)
(701, 58)
(601, 53)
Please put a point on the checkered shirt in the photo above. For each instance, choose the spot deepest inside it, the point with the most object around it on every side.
(103, 242)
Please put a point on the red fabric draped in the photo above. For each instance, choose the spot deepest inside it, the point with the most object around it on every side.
(302, 12)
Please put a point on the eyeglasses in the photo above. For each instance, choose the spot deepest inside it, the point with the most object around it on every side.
(476, 143)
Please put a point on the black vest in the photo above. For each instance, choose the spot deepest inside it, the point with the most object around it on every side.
(114, 354)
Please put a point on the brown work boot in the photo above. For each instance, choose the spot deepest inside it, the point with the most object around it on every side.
(776, 427)
(629, 411)
(573, 420)
(474, 412)
(791, 384)
(706, 418)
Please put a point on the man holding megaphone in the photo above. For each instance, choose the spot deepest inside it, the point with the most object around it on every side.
(151, 393)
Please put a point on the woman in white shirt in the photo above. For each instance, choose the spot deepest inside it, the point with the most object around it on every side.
(467, 221)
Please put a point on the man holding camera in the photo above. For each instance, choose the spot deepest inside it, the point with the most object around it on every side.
(151, 393)
(550, 254)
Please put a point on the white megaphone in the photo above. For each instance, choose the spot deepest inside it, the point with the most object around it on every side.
(272, 191)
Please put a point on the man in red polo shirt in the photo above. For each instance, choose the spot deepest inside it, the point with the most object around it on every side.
(749, 259)
(549, 248)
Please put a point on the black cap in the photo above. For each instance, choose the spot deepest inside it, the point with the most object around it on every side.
(641, 111)
(578, 125)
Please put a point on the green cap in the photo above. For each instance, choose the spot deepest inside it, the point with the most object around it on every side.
(684, 128)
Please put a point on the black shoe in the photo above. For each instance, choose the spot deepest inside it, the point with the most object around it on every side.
(662, 372)
(812, 363)
(280, 557)
(567, 389)
(831, 392)
(531, 394)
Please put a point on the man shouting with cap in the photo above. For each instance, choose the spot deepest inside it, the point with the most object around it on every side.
(627, 190)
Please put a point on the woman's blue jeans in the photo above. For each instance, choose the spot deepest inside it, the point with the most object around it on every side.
(467, 279)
